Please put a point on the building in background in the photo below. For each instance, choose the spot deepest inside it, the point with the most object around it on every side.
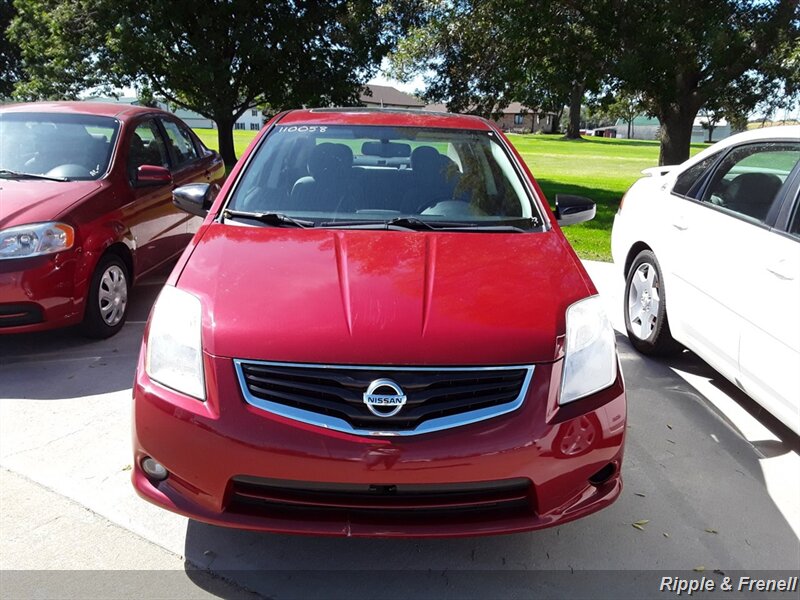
(649, 128)
(251, 120)
(384, 96)
(515, 118)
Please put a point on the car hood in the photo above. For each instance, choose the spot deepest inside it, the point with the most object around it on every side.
(383, 297)
(35, 201)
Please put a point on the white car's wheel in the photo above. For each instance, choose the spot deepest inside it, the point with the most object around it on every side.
(646, 307)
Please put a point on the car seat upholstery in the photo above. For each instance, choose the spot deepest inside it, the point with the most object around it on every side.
(330, 185)
(434, 178)
(752, 194)
(137, 156)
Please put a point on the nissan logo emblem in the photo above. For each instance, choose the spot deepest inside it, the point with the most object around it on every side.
(384, 398)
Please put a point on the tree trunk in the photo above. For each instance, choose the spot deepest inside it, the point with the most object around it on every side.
(630, 123)
(575, 101)
(225, 139)
(676, 136)
(710, 133)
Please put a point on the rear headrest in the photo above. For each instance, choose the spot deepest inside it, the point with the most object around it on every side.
(327, 159)
(429, 162)
(425, 159)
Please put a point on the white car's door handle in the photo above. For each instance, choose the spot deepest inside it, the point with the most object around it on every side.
(782, 270)
(680, 224)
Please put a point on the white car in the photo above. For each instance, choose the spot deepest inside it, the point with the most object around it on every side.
(710, 252)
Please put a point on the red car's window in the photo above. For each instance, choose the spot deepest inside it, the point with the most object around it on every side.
(347, 173)
(69, 146)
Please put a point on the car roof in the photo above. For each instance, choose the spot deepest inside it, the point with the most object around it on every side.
(118, 110)
(397, 117)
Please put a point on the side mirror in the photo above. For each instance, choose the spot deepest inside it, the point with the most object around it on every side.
(574, 209)
(195, 198)
(148, 175)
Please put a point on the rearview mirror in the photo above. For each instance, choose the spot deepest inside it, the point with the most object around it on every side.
(574, 209)
(195, 198)
(147, 175)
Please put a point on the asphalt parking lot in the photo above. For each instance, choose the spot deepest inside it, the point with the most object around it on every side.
(716, 479)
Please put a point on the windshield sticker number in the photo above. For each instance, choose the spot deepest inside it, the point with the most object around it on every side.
(303, 129)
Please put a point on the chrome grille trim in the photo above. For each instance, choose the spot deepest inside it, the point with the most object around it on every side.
(336, 424)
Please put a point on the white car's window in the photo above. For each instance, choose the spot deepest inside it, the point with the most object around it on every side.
(794, 224)
(749, 178)
(331, 175)
(685, 183)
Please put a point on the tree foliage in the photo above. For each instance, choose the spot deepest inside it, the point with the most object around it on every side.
(217, 58)
(681, 55)
(480, 55)
(9, 52)
(676, 55)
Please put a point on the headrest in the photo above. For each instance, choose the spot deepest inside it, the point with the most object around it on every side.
(327, 159)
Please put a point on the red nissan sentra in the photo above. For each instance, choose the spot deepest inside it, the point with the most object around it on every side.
(379, 330)
(86, 208)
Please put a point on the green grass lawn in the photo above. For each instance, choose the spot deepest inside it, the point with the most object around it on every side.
(599, 168)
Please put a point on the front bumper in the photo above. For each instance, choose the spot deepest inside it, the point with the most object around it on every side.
(209, 448)
(39, 293)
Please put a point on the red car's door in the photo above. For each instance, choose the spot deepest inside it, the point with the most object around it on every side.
(192, 163)
(149, 214)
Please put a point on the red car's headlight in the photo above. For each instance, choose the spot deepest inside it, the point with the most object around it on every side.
(35, 240)
(590, 352)
(174, 348)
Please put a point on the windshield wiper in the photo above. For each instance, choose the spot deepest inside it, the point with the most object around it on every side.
(20, 175)
(416, 224)
(268, 218)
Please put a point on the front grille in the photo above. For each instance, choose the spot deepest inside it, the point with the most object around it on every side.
(334, 396)
(13, 315)
(277, 498)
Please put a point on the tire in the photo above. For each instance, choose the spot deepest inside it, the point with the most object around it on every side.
(107, 303)
(646, 308)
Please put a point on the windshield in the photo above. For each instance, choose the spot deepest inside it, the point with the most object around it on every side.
(336, 176)
(62, 146)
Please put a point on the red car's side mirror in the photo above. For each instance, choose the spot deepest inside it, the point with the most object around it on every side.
(148, 175)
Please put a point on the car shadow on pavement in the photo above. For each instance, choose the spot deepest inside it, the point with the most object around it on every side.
(786, 440)
(62, 364)
(694, 482)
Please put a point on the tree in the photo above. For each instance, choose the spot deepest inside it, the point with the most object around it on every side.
(216, 58)
(10, 63)
(479, 55)
(680, 55)
(145, 97)
(627, 107)
(712, 114)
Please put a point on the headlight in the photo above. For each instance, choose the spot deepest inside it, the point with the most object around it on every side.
(590, 362)
(35, 240)
(174, 350)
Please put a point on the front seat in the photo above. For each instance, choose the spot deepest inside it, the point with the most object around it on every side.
(433, 179)
(752, 194)
(329, 187)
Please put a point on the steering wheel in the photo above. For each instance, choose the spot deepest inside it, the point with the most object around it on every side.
(430, 204)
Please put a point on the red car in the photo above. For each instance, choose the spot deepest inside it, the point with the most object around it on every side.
(86, 208)
(379, 330)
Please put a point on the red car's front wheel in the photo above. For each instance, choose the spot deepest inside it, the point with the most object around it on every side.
(107, 306)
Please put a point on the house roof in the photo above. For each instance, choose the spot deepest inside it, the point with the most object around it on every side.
(513, 108)
(387, 95)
